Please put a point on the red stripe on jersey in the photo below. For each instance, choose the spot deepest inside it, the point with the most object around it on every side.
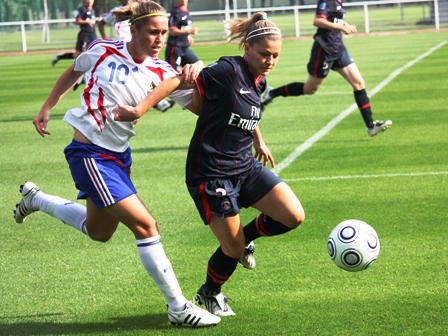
(101, 104)
(323, 16)
(200, 88)
(158, 71)
(319, 52)
(86, 94)
(364, 106)
(208, 214)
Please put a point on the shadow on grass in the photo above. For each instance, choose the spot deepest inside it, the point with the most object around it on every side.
(118, 325)
(30, 119)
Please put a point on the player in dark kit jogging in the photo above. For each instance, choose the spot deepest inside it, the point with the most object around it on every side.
(222, 174)
(86, 20)
(329, 53)
(178, 52)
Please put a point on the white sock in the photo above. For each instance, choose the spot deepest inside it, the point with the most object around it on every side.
(159, 268)
(71, 213)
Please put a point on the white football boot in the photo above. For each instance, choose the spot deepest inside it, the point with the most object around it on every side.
(215, 304)
(193, 315)
(23, 208)
(248, 259)
(378, 126)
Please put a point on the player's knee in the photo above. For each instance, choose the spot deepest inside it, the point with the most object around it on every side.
(296, 218)
(101, 237)
(234, 249)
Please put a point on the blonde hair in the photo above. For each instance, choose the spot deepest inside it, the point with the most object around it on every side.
(252, 30)
(137, 10)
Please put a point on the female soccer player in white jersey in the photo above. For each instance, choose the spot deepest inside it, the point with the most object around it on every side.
(99, 155)
(222, 174)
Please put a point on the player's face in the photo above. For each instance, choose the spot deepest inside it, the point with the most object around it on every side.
(148, 39)
(262, 56)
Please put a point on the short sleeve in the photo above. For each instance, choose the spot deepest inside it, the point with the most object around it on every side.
(215, 79)
(84, 62)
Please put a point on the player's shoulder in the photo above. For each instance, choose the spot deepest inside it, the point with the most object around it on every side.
(102, 44)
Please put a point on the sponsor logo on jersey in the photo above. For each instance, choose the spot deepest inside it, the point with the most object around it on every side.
(242, 91)
(184, 17)
(245, 124)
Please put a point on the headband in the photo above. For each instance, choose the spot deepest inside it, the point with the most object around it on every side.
(148, 15)
(274, 30)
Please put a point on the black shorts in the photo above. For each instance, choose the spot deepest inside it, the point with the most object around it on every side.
(84, 39)
(225, 197)
(320, 62)
(179, 56)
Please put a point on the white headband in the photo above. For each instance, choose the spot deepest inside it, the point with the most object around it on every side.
(274, 30)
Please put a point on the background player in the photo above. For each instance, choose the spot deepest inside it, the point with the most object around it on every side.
(86, 20)
(329, 52)
(99, 156)
(222, 174)
(178, 52)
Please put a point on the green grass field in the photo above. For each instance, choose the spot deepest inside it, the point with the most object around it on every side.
(55, 281)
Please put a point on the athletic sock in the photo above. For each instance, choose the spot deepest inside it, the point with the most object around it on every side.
(156, 263)
(70, 213)
(263, 225)
(291, 89)
(220, 268)
(363, 102)
(66, 56)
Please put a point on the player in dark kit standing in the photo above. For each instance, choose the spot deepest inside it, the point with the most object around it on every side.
(178, 52)
(86, 20)
(329, 52)
(222, 174)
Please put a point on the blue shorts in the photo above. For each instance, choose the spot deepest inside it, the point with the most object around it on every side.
(84, 39)
(179, 56)
(320, 63)
(100, 174)
(225, 197)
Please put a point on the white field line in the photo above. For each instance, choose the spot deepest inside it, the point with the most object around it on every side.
(327, 128)
(346, 177)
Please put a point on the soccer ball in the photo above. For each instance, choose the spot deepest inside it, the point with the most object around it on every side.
(353, 245)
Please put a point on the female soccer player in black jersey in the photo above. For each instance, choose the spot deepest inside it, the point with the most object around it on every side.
(329, 52)
(222, 174)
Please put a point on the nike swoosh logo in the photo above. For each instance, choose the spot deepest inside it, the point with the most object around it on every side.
(184, 17)
(243, 92)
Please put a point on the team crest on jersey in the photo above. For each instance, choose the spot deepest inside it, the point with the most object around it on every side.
(135, 69)
(152, 86)
(226, 206)
(322, 6)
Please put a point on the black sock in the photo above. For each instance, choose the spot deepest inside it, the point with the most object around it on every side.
(263, 226)
(220, 268)
(66, 56)
(363, 102)
(291, 89)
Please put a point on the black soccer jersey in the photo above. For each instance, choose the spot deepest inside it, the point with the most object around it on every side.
(180, 19)
(330, 39)
(221, 145)
(85, 13)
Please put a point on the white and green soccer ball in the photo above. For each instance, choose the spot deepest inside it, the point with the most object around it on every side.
(353, 245)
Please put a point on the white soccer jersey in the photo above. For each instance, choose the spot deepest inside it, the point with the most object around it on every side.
(115, 77)
(122, 28)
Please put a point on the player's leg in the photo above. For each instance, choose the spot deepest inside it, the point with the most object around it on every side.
(350, 72)
(222, 264)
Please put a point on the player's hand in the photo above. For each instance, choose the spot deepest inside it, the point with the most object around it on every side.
(263, 154)
(194, 31)
(191, 71)
(348, 29)
(126, 113)
(41, 121)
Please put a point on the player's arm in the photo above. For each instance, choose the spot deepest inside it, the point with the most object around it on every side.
(262, 152)
(101, 25)
(62, 86)
(174, 31)
(321, 21)
(129, 113)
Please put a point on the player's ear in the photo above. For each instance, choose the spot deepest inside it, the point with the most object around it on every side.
(247, 49)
